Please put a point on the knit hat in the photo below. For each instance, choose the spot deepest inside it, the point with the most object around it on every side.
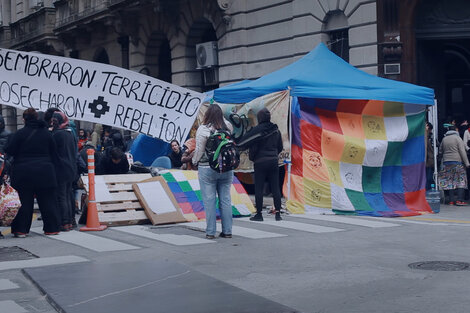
(263, 116)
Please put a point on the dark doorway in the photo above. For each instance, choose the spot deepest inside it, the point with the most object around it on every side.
(444, 65)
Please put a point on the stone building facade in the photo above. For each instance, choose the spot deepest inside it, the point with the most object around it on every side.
(203, 44)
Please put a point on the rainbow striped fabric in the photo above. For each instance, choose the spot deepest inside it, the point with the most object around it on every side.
(185, 187)
(362, 157)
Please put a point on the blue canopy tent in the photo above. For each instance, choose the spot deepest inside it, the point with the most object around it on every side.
(322, 74)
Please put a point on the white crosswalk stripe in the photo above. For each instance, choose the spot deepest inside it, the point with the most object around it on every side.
(311, 228)
(89, 241)
(9, 306)
(346, 220)
(8, 265)
(178, 240)
(6, 284)
(238, 231)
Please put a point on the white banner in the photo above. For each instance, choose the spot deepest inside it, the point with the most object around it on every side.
(97, 93)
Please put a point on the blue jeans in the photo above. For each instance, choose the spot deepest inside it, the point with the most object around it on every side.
(212, 184)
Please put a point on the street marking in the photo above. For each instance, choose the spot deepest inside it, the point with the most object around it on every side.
(294, 225)
(178, 240)
(237, 230)
(429, 219)
(8, 265)
(6, 284)
(88, 241)
(346, 220)
(11, 307)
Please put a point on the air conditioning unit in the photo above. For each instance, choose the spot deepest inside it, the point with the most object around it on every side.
(392, 69)
(211, 76)
(206, 54)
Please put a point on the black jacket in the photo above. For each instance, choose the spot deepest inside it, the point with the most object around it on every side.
(266, 143)
(176, 159)
(67, 150)
(34, 155)
(107, 166)
(4, 135)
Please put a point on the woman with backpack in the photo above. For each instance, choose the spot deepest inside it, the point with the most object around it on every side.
(212, 182)
(265, 146)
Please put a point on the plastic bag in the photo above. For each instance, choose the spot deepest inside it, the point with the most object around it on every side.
(9, 204)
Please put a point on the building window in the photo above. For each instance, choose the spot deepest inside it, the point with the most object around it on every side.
(337, 30)
(339, 43)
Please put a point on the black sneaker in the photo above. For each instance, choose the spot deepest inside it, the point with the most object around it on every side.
(278, 216)
(225, 235)
(210, 237)
(257, 217)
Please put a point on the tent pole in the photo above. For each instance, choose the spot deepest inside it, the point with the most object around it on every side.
(289, 161)
(434, 141)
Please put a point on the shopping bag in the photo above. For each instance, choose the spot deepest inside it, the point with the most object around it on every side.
(9, 204)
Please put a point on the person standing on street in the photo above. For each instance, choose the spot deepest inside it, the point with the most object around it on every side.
(33, 173)
(453, 176)
(264, 152)
(213, 183)
(67, 150)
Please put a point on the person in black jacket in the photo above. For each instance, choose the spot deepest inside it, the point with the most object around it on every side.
(115, 162)
(33, 173)
(4, 135)
(67, 149)
(176, 154)
(265, 143)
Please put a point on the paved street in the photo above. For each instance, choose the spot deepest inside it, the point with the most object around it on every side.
(310, 263)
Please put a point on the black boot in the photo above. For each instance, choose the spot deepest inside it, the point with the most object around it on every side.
(257, 217)
(278, 216)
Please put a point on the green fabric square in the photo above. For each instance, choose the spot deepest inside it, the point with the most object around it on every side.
(394, 109)
(185, 186)
(169, 177)
(198, 194)
(358, 201)
(394, 154)
(371, 179)
(415, 125)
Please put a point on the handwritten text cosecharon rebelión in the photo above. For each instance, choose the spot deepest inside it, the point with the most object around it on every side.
(136, 102)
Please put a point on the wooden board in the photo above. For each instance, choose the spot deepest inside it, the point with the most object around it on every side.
(121, 205)
(158, 201)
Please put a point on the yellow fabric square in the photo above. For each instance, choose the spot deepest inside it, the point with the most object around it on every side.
(374, 127)
(314, 166)
(190, 174)
(334, 173)
(394, 108)
(354, 150)
(351, 124)
(332, 145)
(245, 199)
(317, 193)
(295, 207)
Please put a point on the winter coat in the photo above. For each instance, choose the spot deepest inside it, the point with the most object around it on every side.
(202, 134)
(67, 150)
(107, 166)
(34, 157)
(268, 146)
(96, 135)
(452, 148)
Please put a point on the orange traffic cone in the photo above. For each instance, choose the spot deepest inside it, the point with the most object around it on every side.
(92, 221)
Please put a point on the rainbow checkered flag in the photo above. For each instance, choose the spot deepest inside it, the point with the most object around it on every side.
(185, 187)
(362, 157)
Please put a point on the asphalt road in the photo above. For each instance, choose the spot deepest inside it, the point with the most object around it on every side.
(316, 264)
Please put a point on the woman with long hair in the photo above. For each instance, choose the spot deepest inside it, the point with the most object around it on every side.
(33, 173)
(213, 183)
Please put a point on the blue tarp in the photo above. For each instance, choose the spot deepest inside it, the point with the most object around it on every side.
(322, 74)
(146, 149)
